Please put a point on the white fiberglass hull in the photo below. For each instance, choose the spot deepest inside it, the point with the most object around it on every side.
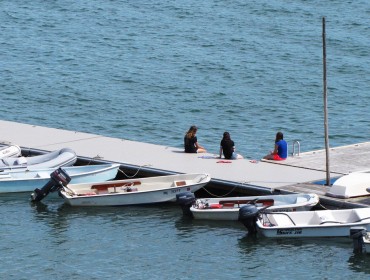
(133, 191)
(228, 208)
(29, 180)
(324, 223)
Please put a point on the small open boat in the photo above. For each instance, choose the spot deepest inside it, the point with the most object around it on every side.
(321, 223)
(27, 180)
(10, 151)
(133, 191)
(227, 208)
(351, 185)
(55, 159)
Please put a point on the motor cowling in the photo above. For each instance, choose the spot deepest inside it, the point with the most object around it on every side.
(357, 233)
(248, 216)
(58, 179)
(186, 200)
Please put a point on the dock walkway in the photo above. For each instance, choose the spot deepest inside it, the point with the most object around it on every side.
(265, 176)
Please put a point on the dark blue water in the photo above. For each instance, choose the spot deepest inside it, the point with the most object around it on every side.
(146, 71)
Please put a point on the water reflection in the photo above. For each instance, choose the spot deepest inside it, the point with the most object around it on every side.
(359, 263)
(186, 225)
(319, 252)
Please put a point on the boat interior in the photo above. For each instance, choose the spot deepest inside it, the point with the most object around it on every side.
(132, 186)
(312, 218)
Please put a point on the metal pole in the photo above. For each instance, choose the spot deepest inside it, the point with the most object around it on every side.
(325, 107)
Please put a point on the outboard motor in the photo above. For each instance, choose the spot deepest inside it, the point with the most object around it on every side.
(59, 178)
(357, 233)
(248, 216)
(186, 200)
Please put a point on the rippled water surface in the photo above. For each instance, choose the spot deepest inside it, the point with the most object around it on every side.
(146, 71)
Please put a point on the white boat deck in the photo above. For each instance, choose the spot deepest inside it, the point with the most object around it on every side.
(306, 168)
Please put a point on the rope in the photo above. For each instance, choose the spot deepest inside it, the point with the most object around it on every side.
(135, 173)
(214, 195)
(95, 157)
(323, 206)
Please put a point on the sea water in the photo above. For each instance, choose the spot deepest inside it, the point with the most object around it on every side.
(146, 71)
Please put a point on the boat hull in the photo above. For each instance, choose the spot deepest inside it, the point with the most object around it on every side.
(55, 159)
(28, 180)
(224, 210)
(145, 192)
(352, 185)
(324, 223)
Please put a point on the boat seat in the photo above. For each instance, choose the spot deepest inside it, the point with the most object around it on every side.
(281, 219)
(179, 183)
(327, 218)
(301, 199)
(20, 161)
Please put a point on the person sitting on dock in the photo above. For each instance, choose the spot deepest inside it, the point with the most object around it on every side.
(191, 142)
(227, 147)
(281, 148)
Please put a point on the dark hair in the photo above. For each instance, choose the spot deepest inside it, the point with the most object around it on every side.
(226, 135)
(279, 136)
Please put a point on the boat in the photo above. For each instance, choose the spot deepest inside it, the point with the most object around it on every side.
(227, 208)
(55, 159)
(351, 185)
(10, 151)
(132, 191)
(319, 223)
(27, 180)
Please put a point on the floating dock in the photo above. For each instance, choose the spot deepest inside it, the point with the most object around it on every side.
(304, 172)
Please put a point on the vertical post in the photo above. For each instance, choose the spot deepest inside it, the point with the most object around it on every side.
(325, 106)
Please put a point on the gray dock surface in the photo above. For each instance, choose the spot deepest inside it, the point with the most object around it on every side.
(296, 174)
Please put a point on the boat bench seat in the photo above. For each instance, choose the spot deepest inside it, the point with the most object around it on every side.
(179, 183)
(281, 220)
(337, 218)
(20, 161)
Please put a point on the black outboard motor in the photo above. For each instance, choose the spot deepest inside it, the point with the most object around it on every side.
(248, 216)
(186, 200)
(357, 233)
(59, 178)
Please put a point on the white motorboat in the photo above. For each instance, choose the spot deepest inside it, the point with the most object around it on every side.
(55, 159)
(352, 185)
(10, 151)
(320, 223)
(227, 208)
(27, 180)
(133, 191)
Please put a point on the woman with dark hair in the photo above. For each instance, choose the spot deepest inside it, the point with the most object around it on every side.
(281, 148)
(227, 147)
(191, 142)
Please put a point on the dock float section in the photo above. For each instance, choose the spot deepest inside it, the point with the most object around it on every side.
(299, 173)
